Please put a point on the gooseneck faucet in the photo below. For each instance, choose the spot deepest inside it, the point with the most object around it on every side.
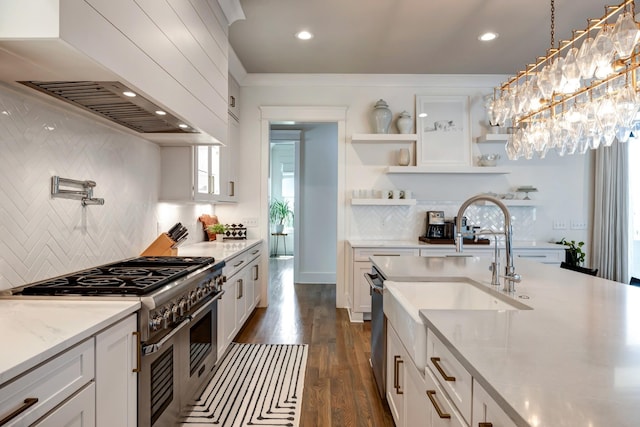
(511, 278)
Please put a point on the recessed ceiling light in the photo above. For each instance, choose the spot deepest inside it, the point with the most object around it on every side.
(129, 93)
(182, 126)
(422, 115)
(486, 37)
(304, 35)
(161, 113)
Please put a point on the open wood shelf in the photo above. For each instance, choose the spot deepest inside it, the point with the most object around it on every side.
(448, 170)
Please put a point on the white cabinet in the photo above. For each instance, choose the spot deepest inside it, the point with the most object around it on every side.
(79, 411)
(440, 411)
(228, 164)
(207, 173)
(116, 379)
(44, 388)
(486, 410)
(359, 265)
(241, 286)
(396, 359)
(234, 99)
(545, 256)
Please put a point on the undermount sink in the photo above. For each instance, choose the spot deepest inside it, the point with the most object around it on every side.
(404, 300)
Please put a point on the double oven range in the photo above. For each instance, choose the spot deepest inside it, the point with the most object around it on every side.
(177, 322)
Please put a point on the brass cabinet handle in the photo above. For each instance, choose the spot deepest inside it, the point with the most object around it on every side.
(431, 395)
(28, 403)
(239, 289)
(485, 424)
(232, 188)
(255, 252)
(436, 363)
(255, 271)
(397, 360)
(211, 184)
(138, 367)
(238, 264)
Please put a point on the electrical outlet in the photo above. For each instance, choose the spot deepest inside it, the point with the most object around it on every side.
(559, 224)
(578, 225)
(250, 222)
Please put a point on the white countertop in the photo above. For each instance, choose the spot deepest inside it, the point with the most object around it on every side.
(219, 250)
(34, 330)
(416, 244)
(574, 360)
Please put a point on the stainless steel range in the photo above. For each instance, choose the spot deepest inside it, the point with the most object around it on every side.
(177, 323)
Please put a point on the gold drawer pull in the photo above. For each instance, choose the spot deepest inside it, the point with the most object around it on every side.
(396, 374)
(436, 363)
(431, 395)
(138, 367)
(28, 403)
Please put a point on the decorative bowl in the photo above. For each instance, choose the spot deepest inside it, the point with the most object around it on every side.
(488, 159)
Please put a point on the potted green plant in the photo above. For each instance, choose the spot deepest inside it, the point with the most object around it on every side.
(574, 255)
(218, 230)
(280, 214)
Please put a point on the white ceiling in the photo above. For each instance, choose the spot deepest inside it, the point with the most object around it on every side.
(402, 36)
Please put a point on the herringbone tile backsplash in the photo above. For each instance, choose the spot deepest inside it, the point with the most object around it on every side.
(41, 237)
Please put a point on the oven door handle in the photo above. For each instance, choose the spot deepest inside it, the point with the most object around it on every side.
(152, 348)
(370, 278)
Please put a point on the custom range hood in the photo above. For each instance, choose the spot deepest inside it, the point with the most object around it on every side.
(90, 53)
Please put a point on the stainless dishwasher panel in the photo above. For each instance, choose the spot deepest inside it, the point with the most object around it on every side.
(378, 331)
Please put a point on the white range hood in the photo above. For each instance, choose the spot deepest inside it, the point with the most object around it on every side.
(172, 54)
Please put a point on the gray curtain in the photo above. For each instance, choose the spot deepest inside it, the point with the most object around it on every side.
(610, 241)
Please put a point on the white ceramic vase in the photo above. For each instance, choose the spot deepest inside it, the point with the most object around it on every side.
(404, 122)
(404, 157)
(381, 117)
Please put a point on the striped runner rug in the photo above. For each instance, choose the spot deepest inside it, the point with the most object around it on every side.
(253, 385)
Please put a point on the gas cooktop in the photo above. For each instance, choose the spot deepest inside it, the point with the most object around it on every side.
(136, 276)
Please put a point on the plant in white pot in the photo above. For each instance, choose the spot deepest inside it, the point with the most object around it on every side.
(218, 230)
(280, 214)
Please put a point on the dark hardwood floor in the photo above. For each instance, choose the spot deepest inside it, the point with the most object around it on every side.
(339, 387)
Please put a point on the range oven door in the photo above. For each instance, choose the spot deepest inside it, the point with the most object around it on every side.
(199, 349)
(176, 367)
(378, 330)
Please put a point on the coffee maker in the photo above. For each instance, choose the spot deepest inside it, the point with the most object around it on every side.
(435, 225)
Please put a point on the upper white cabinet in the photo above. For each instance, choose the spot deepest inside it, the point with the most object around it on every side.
(173, 52)
(234, 99)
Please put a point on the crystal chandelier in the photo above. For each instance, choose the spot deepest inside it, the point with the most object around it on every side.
(581, 95)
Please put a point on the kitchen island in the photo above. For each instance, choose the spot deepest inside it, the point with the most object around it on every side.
(572, 360)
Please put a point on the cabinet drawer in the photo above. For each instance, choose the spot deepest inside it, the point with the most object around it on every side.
(486, 410)
(364, 253)
(50, 383)
(235, 264)
(455, 380)
(543, 256)
(254, 253)
(467, 252)
(79, 411)
(441, 412)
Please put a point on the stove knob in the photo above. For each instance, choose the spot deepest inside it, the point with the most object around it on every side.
(175, 312)
(200, 293)
(155, 322)
(166, 316)
(193, 297)
(182, 305)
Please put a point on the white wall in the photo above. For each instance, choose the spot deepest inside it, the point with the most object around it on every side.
(563, 182)
(316, 252)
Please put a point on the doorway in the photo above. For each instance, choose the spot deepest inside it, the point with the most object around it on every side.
(307, 251)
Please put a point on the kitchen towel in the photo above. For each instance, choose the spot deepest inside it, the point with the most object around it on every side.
(253, 385)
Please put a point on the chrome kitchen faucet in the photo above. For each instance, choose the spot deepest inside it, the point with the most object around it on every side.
(511, 278)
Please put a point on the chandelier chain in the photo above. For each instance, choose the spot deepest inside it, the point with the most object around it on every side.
(553, 23)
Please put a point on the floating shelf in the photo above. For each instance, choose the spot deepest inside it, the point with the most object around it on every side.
(514, 202)
(384, 137)
(383, 202)
(493, 137)
(448, 170)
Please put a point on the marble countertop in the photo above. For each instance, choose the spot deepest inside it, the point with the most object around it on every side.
(416, 244)
(34, 330)
(219, 250)
(574, 360)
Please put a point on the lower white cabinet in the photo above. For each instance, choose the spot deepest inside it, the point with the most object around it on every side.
(486, 410)
(91, 384)
(116, 379)
(396, 364)
(79, 411)
(359, 265)
(241, 294)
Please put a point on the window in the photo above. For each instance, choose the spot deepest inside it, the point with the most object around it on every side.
(634, 206)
